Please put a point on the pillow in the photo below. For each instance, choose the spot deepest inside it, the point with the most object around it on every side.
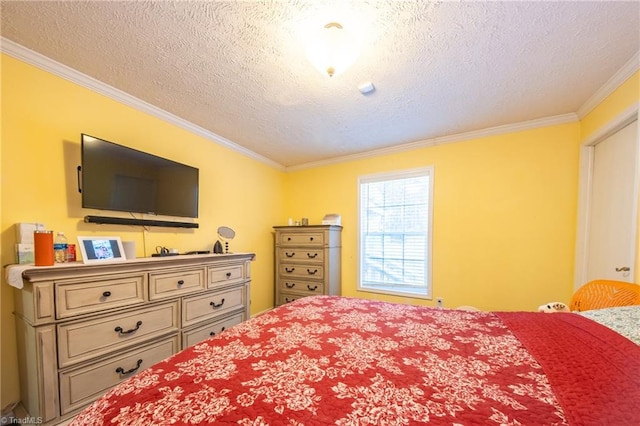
(622, 319)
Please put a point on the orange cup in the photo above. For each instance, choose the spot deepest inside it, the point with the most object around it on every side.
(43, 248)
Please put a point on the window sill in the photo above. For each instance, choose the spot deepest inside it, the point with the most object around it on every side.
(395, 292)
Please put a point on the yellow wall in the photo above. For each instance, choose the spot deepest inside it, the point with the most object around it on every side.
(42, 118)
(504, 215)
(505, 210)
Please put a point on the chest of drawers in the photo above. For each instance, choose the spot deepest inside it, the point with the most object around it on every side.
(307, 261)
(84, 328)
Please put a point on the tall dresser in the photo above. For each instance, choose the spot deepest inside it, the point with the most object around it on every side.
(307, 261)
(84, 328)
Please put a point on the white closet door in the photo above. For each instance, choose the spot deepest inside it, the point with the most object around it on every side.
(612, 215)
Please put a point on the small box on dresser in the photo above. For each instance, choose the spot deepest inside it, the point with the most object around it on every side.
(307, 261)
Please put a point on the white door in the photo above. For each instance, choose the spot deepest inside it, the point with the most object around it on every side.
(612, 213)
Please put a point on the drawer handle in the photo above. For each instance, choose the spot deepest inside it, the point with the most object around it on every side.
(213, 333)
(106, 294)
(228, 275)
(121, 332)
(181, 282)
(310, 272)
(310, 238)
(290, 285)
(312, 288)
(213, 304)
(289, 270)
(289, 255)
(287, 300)
(121, 371)
(312, 256)
(288, 238)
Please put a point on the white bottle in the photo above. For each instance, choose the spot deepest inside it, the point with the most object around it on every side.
(60, 248)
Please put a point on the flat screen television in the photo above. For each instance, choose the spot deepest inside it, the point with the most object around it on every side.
(118, 178)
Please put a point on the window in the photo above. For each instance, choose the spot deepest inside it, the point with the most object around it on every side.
(395, 211)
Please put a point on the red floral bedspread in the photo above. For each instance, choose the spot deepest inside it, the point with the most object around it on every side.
(332, 360)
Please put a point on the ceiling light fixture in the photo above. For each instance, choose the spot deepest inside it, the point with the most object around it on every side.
(333, 49)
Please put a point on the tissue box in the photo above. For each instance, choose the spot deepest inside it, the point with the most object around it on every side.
(24, 232)
(24, 253)
(332, 219)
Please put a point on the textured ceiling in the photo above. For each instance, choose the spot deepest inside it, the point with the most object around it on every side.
(239, 69)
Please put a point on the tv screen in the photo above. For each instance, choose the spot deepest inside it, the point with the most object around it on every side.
(118, 178)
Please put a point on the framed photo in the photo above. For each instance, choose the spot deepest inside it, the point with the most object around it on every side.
(101, 249)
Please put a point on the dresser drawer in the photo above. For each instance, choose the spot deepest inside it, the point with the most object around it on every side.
(81, 386)
(79, 341)
(176, 283)
(223, 275)
(287, 298)
(305, 288)
(308, 271)
(300, 254)
(212, 305)
(301, 238)
(93, 295)
(214, 328)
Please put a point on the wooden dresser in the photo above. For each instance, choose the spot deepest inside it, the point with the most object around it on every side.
(307, 261)
(84, 328)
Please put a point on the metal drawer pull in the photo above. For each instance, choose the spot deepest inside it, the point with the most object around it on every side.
(289, 270)
(106, 294)
(120, 370)
(287, 300)
(213, 333)
(213, 304)
(288, 238)
(312, 289)
(312, 272)
(290, 285)
(228, 275)
(623, 269)
(289, 255)
(310, 238)
(312, 256)
(120, 331)
(181, 282)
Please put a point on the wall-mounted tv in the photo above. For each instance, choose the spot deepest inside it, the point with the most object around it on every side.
(118, 178)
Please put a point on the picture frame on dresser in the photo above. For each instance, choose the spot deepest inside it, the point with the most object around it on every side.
(101, 249)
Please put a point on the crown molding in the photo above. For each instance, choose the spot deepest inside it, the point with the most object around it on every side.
(38, 60)
(47, 64)
(627, 70)
(459, 137)
(623, 74)
(626, 117)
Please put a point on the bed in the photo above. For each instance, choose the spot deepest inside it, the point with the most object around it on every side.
(335, 360)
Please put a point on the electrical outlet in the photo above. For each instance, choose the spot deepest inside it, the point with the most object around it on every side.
(439, 302)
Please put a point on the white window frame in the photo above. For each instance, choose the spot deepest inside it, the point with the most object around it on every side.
(424, 291)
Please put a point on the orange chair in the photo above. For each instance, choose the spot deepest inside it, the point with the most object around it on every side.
(600, 294)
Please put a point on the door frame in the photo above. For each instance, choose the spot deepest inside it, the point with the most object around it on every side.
(587, 149)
